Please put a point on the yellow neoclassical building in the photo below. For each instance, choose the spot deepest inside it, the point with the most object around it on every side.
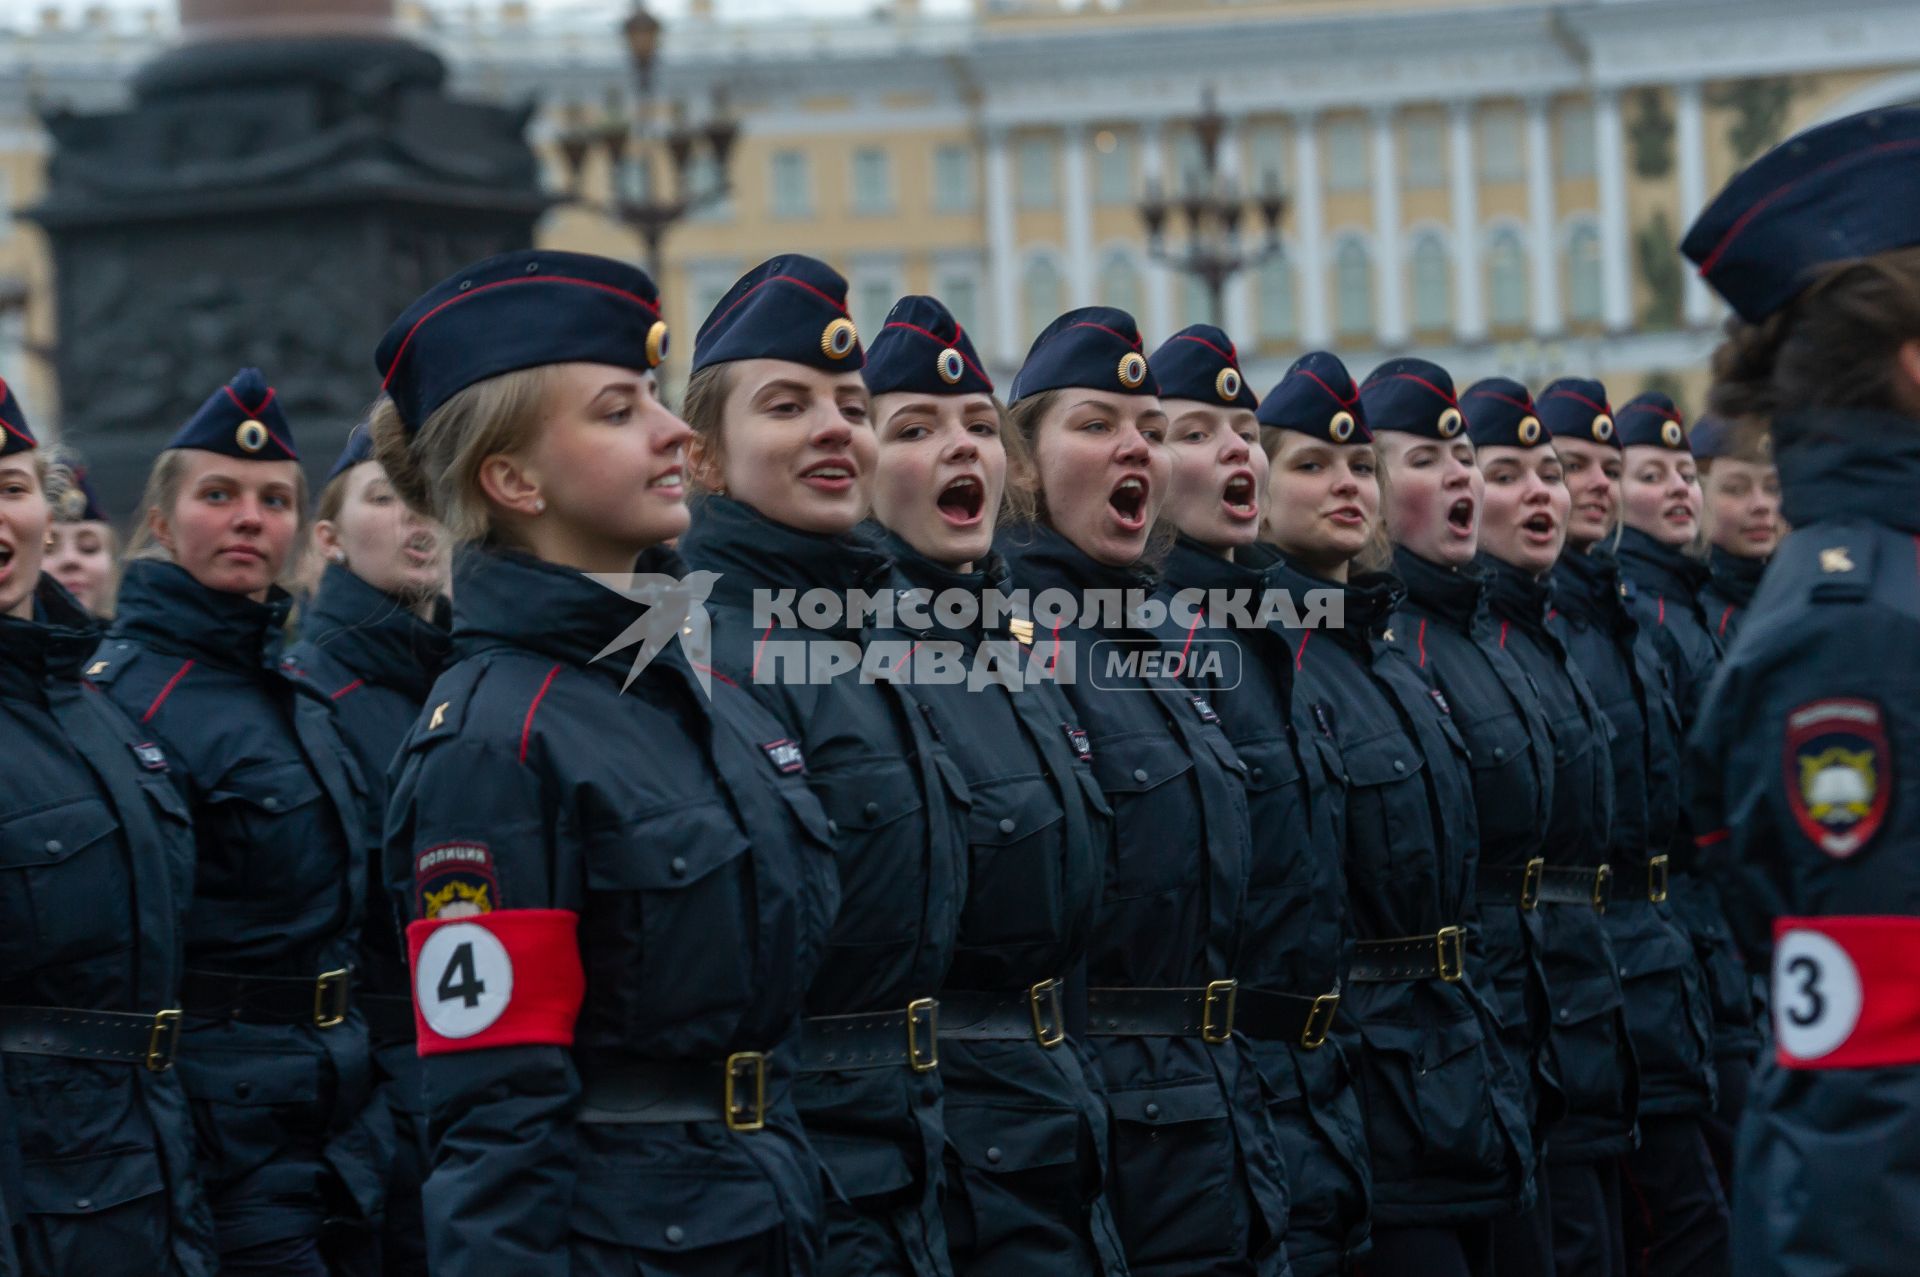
(1497, 184)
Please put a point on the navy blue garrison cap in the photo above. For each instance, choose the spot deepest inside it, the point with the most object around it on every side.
(1500, 413)
(518, 310)
(1650, 421)
(1200, 363)
(1713, 437)
(1413, 396)
(241, 419)
(359, 448)
(922, 350)
(791, 308)
(1577, 408)
(80, 503)
(15, 436)
(1844, 190)
(1092, 348)
(1317, 397)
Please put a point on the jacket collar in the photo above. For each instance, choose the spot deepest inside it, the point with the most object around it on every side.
(751, 552)
(50, 646)
(1848, 463)
(1659, 568)
(1514, 594)
(1587, 588)
(1368, 599)
(1735, 576)
(1042, 558)
(1455, 596)
(163, 607)
(375, 635)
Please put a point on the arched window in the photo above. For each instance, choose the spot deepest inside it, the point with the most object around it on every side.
(1506, 280)
(1120, 284)
(1040, 292)
(1432, 284)
(1196, 303)
(1276, 298)
(1353, 289)
(1583, 274)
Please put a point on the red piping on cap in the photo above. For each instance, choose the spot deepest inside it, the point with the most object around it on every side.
(400, 352)
(1759, 206)
(935, 337)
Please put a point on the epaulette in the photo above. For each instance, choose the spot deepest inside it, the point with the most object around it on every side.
(1841, 566)
(445, 711)
(111, 660)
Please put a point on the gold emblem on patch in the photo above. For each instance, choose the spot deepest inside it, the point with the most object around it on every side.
(251, 435)
(1671, 434)
(1133, 370)
(951, 366)
(1449, 423)
(1603, 427)
(98, 667)
(839, 338)
(439, 716)
(1836, 559)
(1838, 785)
(656, 343)
(1227, 384)
(1021, 628)
(1341, 427)
(459, 900)
(1529, 431)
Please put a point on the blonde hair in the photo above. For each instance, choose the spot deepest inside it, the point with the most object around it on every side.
(164, 483)
(436, 469)
(1025, 416)
(60, 479)
(704, 408)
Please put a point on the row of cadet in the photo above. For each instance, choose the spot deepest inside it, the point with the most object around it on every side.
(454, 939)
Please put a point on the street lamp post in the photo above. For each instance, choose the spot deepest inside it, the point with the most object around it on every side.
(1213, 208)
(637, 136)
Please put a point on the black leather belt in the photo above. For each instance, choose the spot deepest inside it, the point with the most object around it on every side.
(647, 1092)
(123, 1037)
(1037, 1014)
(1538, 883)
(1267, 1015)
(1206, 1012)
(1440, 956)
(389, 1016)
(1656, 888)
(321, 1000)
(873, 1040)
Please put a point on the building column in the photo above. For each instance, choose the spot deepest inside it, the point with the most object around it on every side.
(1390, 272)
(1238, 301)
(1310, 273)
(1078, 212)
(1469, 312)
(1153, 168)
(1002, 252)
(1610, 158)
(1690, 143)
(1544, 261)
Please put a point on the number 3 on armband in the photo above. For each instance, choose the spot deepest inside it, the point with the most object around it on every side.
(1816, 995)
(462, 980)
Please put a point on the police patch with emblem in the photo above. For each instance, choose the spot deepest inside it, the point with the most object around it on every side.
(455, 880)
(1204, 710)
(1077, 739)
(1440, 699)
(150, 756)
(1838, 773)
(785, 756)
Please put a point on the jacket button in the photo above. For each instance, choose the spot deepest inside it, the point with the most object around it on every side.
(1258, 772)
(1153, 1110)
(55, 846)
(1500, 753)
(243, 1089)
(993, 1155)
(1140, 773)
(83, 1203)
(1564, 1013)
(678, 866)
(1007, 825)
(1399, 766)
(675, 1234)
(871, 810)
(833, 827)
(271, 803)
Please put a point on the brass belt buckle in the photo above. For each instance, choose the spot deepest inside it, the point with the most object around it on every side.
(166, 1025)
(1320, 1021)
(1602, 886)
(928, 1008)
(1656, 878)
(747, 1113)
(1050, 1024)
(1530, 882)
(1450, 943)
(332, 993)
(1219, 1030)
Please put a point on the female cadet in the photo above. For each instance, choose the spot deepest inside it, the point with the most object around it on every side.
(1290, 964)
(1449, 1140)
(375, 637)
(1434, 490)
(1661, 502)
(1523, 525)
(784, 449)
(96, 871)
(619, 880)
(273, 1054)
(82, 549)
(1674, 1210)
(1198, 1181)
(1026, 1125)
(1807, 741)
(1742, 489)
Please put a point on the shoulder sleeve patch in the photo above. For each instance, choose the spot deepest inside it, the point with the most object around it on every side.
(1839, 776)
(508, 978)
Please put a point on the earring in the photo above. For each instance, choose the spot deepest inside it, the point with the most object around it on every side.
(49, 544)
(539, 505)
(337, 555)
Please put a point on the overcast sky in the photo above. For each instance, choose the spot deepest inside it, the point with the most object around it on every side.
(23, 13)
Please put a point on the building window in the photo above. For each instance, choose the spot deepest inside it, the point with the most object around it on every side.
(1500, 158)
(1353, 289)
(872, 182)
(703, 175)
(1040, 292)
(1347, 155)
(1266, 159)
(1275, 288)
(1426, 152)
(960, 290)
(792, 185)
(1583, 274)
(953, 180)
(1113, 168)
(1120, 283)
(1039, 174)
(1196, 303)
(872, 299)
(1506, 280)
(1432, 284)
(708, 283)
(1576, 140)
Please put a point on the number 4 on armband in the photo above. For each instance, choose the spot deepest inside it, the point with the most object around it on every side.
(508, 978)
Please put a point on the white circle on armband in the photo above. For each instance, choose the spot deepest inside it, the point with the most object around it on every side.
(463, 980)
(1816, 995)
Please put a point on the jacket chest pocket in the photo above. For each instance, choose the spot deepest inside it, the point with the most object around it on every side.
(1389, 818)
(1149, 783)
(64, 884)
(1017, 849)
(879, 819)
(1276, 804)
(670, 933)
(1506, 784)
(264, 837)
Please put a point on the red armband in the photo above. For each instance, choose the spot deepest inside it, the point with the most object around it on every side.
(1846, 992)
(512, 977)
